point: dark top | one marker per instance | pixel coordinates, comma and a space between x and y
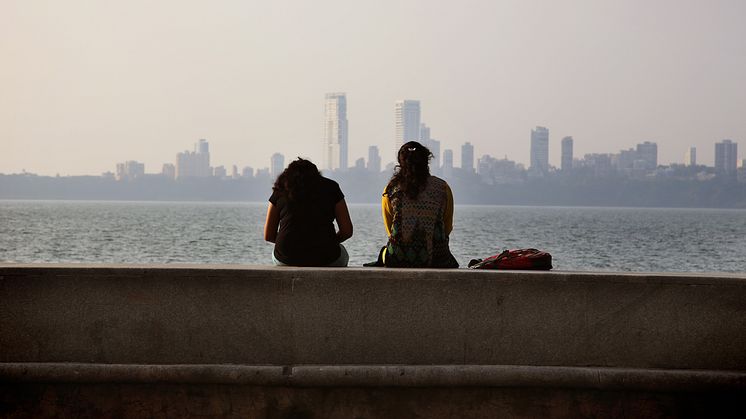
307, 236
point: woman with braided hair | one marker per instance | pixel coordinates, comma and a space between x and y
301, 215
417, 212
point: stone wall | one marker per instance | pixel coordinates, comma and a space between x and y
593, 339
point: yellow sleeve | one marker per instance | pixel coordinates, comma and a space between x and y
386, 212
448, 217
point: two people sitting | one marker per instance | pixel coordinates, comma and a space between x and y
417, 211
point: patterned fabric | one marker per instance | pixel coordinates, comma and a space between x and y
418, 236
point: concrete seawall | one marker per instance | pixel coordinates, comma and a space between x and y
291, 342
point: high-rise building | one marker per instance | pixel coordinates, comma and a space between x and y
647, 152
335, 145
447, 163
467, 157
566, 163
424, 134
690, 157
360, 164
374, 159
726, 158
247, 171
277, 165
540, 150
195, 163
407, 120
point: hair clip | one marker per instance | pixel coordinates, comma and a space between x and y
411, 148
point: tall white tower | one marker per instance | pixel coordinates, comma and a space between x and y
407, 116
540, 150
335, 132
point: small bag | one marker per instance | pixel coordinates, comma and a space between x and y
532, 259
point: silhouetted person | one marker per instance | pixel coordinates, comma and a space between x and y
303, 206
417, 213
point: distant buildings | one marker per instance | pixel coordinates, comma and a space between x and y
407, 122
277, 165
498, 171
690, 157
220, 172
432, 144
374, 159
647, 153
539, 150
168, 171
424, 134
726, 153
447, 163
130, 170
335, 144
467, 157
566, 161
196, 163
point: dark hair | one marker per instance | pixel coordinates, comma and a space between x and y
298, 181
413, 169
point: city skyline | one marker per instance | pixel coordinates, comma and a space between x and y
196, 163
87, 84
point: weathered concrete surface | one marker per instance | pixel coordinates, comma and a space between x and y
115, 400
132, 341
260, 316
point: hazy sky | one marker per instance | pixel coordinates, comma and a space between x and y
87, 84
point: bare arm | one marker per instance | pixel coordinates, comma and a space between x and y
342, 214
273, 221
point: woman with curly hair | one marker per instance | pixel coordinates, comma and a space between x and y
417, 212
301, 215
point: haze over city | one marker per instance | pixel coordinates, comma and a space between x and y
86, 85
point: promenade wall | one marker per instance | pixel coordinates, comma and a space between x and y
180, 341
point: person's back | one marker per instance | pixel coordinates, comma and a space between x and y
417, 211
419, 235
300, 218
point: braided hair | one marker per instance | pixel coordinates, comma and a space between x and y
413, 170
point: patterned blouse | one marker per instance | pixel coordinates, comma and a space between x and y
418, 229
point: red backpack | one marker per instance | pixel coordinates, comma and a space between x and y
515, 259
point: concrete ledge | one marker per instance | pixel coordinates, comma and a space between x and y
141, 314
381, 376
219, 341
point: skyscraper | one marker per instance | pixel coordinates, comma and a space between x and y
277, 165
407, 119
467, 157
566, 163
424, 134
725, 158
690, 158
374, 159
447, 163
195, 163
433, 145
540, 150
335, 132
